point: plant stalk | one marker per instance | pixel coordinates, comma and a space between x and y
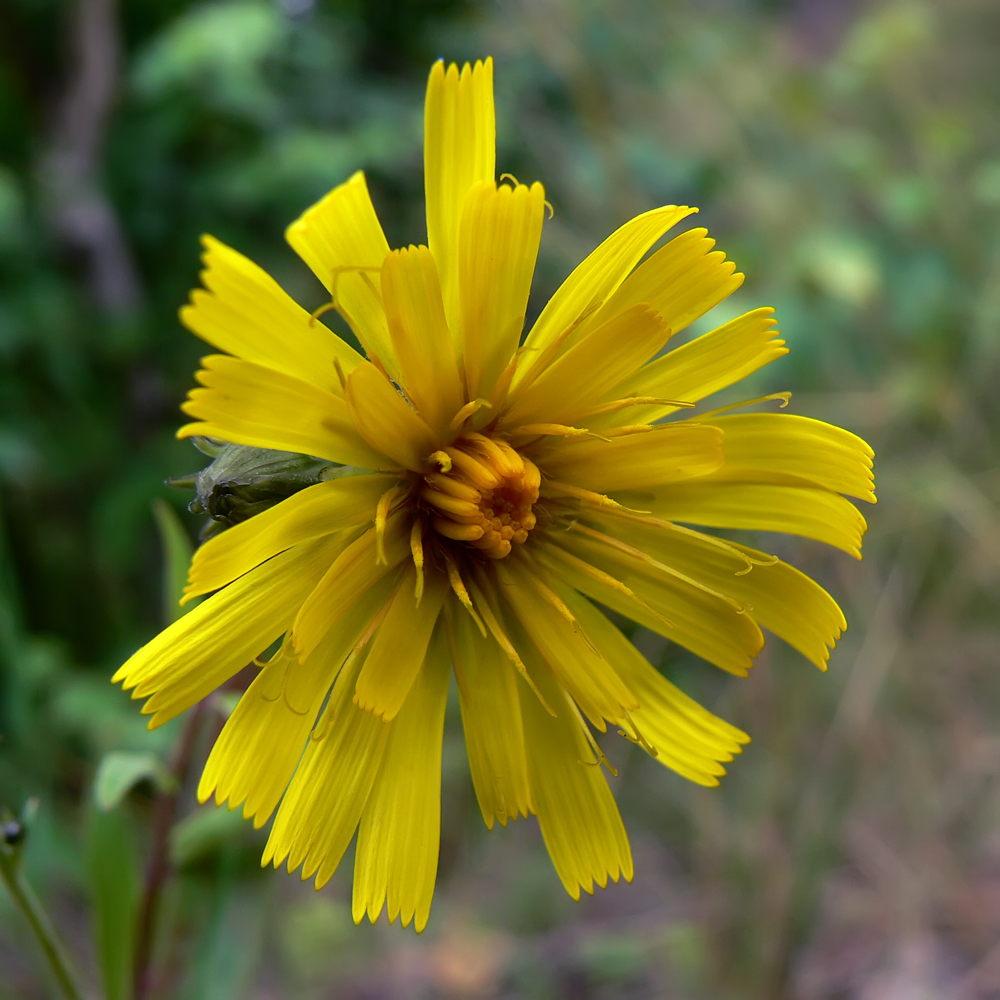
159, 862
31, 909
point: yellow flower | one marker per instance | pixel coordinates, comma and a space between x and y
496, 491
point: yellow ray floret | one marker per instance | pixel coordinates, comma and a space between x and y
681, 281
498, 244
593, 281
313, 826
706, 364
242, 310
590, 371
411, 291
204, 648
491, 716
341, 239
344, 502
577, 813
459, 151
251, 404
397, 853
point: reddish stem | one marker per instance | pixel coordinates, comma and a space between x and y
159, 861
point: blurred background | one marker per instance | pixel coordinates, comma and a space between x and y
846, 153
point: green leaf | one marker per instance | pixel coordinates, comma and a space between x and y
202, 833
114, 882
121, 770
177, 551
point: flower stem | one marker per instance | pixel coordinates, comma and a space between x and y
159, 862
31, 909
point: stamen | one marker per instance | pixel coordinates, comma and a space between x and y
457, 585
507, 646
579, 493
442, 458
626, 429
463, 511
417, 551
624, 404
584, 567
783, 398
635, 553
644, 517
339, 369
473, 469
457, 532
638, 737
456, 487
279, 654
500, 390
381, 517
507, 462
322, 727
597, 751
470, 409
551, 430
316, 313
546, 593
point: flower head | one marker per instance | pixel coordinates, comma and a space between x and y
492, 490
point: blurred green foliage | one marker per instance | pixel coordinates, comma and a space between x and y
846, 155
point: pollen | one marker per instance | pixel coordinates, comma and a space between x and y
486, 496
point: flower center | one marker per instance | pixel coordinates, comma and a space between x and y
483, 494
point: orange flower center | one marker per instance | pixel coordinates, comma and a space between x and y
482, 495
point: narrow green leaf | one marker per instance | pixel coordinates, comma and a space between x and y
177, 551
121, 770
114, 882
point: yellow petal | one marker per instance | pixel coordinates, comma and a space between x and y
459, 151
580, 822
355, 570
246, 403
590, 370
789, 603
594, 280
563, 645
783, 447
498, 245
260, 744
317, 510
218, 638
324, 801
491, 717
705, 365
709, 626
259, 747
387, 421
400, 833
245, 312
686, 737
341, 239
424, 348
669, 453
681, 281
718, 502
397, 653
